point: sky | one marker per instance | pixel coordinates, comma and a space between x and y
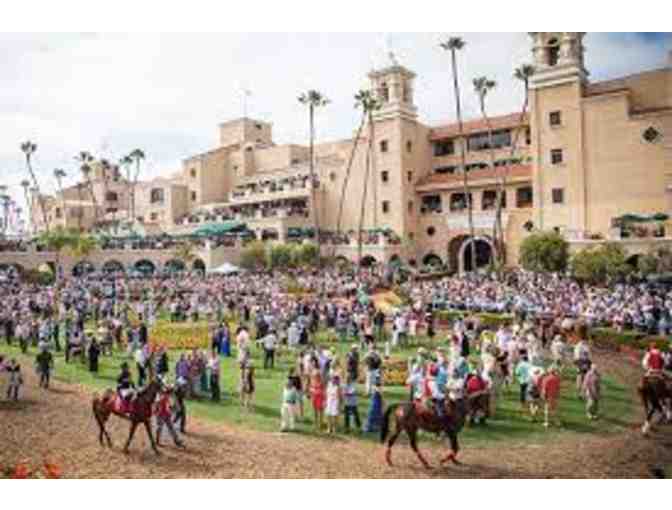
166, 93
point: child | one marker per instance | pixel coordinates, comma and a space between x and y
288, 410
333, 409
15, 380
350, 400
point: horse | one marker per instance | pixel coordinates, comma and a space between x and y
140, 412
411, 417
655, 392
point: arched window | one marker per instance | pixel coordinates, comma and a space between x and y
111, 196
385, 92
553, 52
156, 196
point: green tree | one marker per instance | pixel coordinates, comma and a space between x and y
185, 252
544, 252
280, 256
453, 45
657, 261
81, 246
253, 256
313, 100
601, 265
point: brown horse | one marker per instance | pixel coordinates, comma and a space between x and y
656, 394
141, 410
411, 417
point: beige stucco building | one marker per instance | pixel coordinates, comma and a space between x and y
584, 154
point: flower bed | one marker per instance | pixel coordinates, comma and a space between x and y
180, 336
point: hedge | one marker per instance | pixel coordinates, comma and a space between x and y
608, 338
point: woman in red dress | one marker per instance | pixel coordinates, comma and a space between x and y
317, 396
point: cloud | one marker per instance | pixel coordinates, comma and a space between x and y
166, 93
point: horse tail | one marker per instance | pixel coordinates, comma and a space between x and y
385, 427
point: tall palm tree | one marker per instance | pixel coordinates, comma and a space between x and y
59, 175
86, 160
5, 201
482, 86
25, 184
314, 99
453, 45
126, 162
366, 100
28, 148
137, 156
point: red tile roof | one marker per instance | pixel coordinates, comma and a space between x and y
510, 120
515, 171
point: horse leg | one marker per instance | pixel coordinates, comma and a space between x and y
148, 428
454, 449
546, 414
101, 429
134, 425
412, 436
390, 444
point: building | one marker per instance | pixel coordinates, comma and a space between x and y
583, 155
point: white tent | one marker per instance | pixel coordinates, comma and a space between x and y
226, 268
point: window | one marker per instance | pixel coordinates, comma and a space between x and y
332, 176
431, 204
553, 52
193, 196
411, 236
385, 176
528, 136
385, 92
651, 135
193, 173
558, 195
431, 231
555, 119
383, 146
445, 169
58, 213
444, 148
258, 126
153, 216
458, 202
111, 196
490, 200
156, 196
524, 197
481, 141
386, 206
556, 156
409, 176
410, 207
409, 146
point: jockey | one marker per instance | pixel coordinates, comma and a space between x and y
653, 361
415, 382
125, 386
436, 392
475, 383
455, 386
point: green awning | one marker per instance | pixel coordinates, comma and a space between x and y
300, 232
642, 218
218, 229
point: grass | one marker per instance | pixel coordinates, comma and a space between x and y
510, 425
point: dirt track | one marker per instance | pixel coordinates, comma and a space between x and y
59, 422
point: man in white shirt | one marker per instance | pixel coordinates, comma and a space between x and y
269, 342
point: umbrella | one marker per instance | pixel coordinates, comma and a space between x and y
226, 268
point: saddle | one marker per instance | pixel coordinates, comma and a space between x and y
120, 405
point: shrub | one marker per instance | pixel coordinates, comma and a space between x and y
600, 265
253, 256
544, 252
281, 256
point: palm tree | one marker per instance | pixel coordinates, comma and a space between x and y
126, 162
25, 184
86, 159
314, 99
28, 148
453, 45
369, 104
137, 155
59, 175
482, 86
57, 241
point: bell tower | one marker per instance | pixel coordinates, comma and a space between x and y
558, 58
393, 87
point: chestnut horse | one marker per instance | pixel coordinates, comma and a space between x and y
655, 392
141, 410
411, 417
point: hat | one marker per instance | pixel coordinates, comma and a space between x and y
354, 346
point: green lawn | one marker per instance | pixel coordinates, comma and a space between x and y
509, 425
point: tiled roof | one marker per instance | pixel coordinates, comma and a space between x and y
477, 126
515, 171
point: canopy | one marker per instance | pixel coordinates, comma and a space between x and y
300, 232
226, 268
218, 229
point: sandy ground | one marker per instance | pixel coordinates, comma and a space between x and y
58, 423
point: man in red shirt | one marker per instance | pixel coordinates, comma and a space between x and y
550, 392
653, 361
164, 416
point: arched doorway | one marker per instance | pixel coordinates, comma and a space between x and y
146, 267
112, 266
199, 265
175, 266
432, 259
368, 261
484, 253
83, 268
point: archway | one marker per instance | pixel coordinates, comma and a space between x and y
146, 267
368, 261
113, 266
484, 252
431, 259
199, 265
83, 268
175, 266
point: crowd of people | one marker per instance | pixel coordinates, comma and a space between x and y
86, 318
